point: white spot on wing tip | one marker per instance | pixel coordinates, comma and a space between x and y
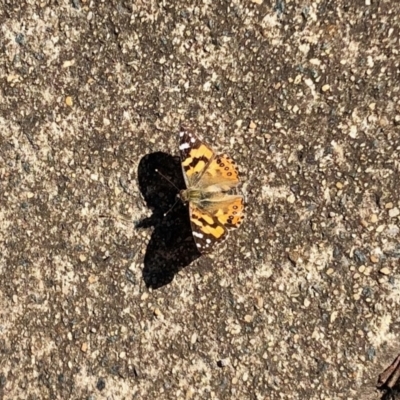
197, 234
184, 146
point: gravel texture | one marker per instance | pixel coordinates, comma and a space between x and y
101, 296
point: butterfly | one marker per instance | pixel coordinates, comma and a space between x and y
208, 177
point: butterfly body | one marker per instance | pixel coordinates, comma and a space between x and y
208, 177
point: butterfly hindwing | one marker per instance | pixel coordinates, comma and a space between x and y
206, 229
228, 209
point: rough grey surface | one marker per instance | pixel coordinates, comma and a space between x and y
301, 302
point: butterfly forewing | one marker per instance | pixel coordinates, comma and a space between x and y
195, 157
222, 172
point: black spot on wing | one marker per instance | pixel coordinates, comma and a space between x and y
195, 161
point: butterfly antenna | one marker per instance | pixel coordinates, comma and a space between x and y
168, 180
172, 184
171, 208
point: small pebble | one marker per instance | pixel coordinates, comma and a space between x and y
193, 339
339, 185
252, 125
353, 132
144, 296
223, 362
383, 122
380, 228
68, 101
260, 302
68, 63
374, 218
82, 258
389, 205
84, 347
239, 123
367, 271
325, 88
294, 256
314, 61
360, 256
157, 312
297, 80
394, 212
385, 271
291, 199
248, 318
374, 259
